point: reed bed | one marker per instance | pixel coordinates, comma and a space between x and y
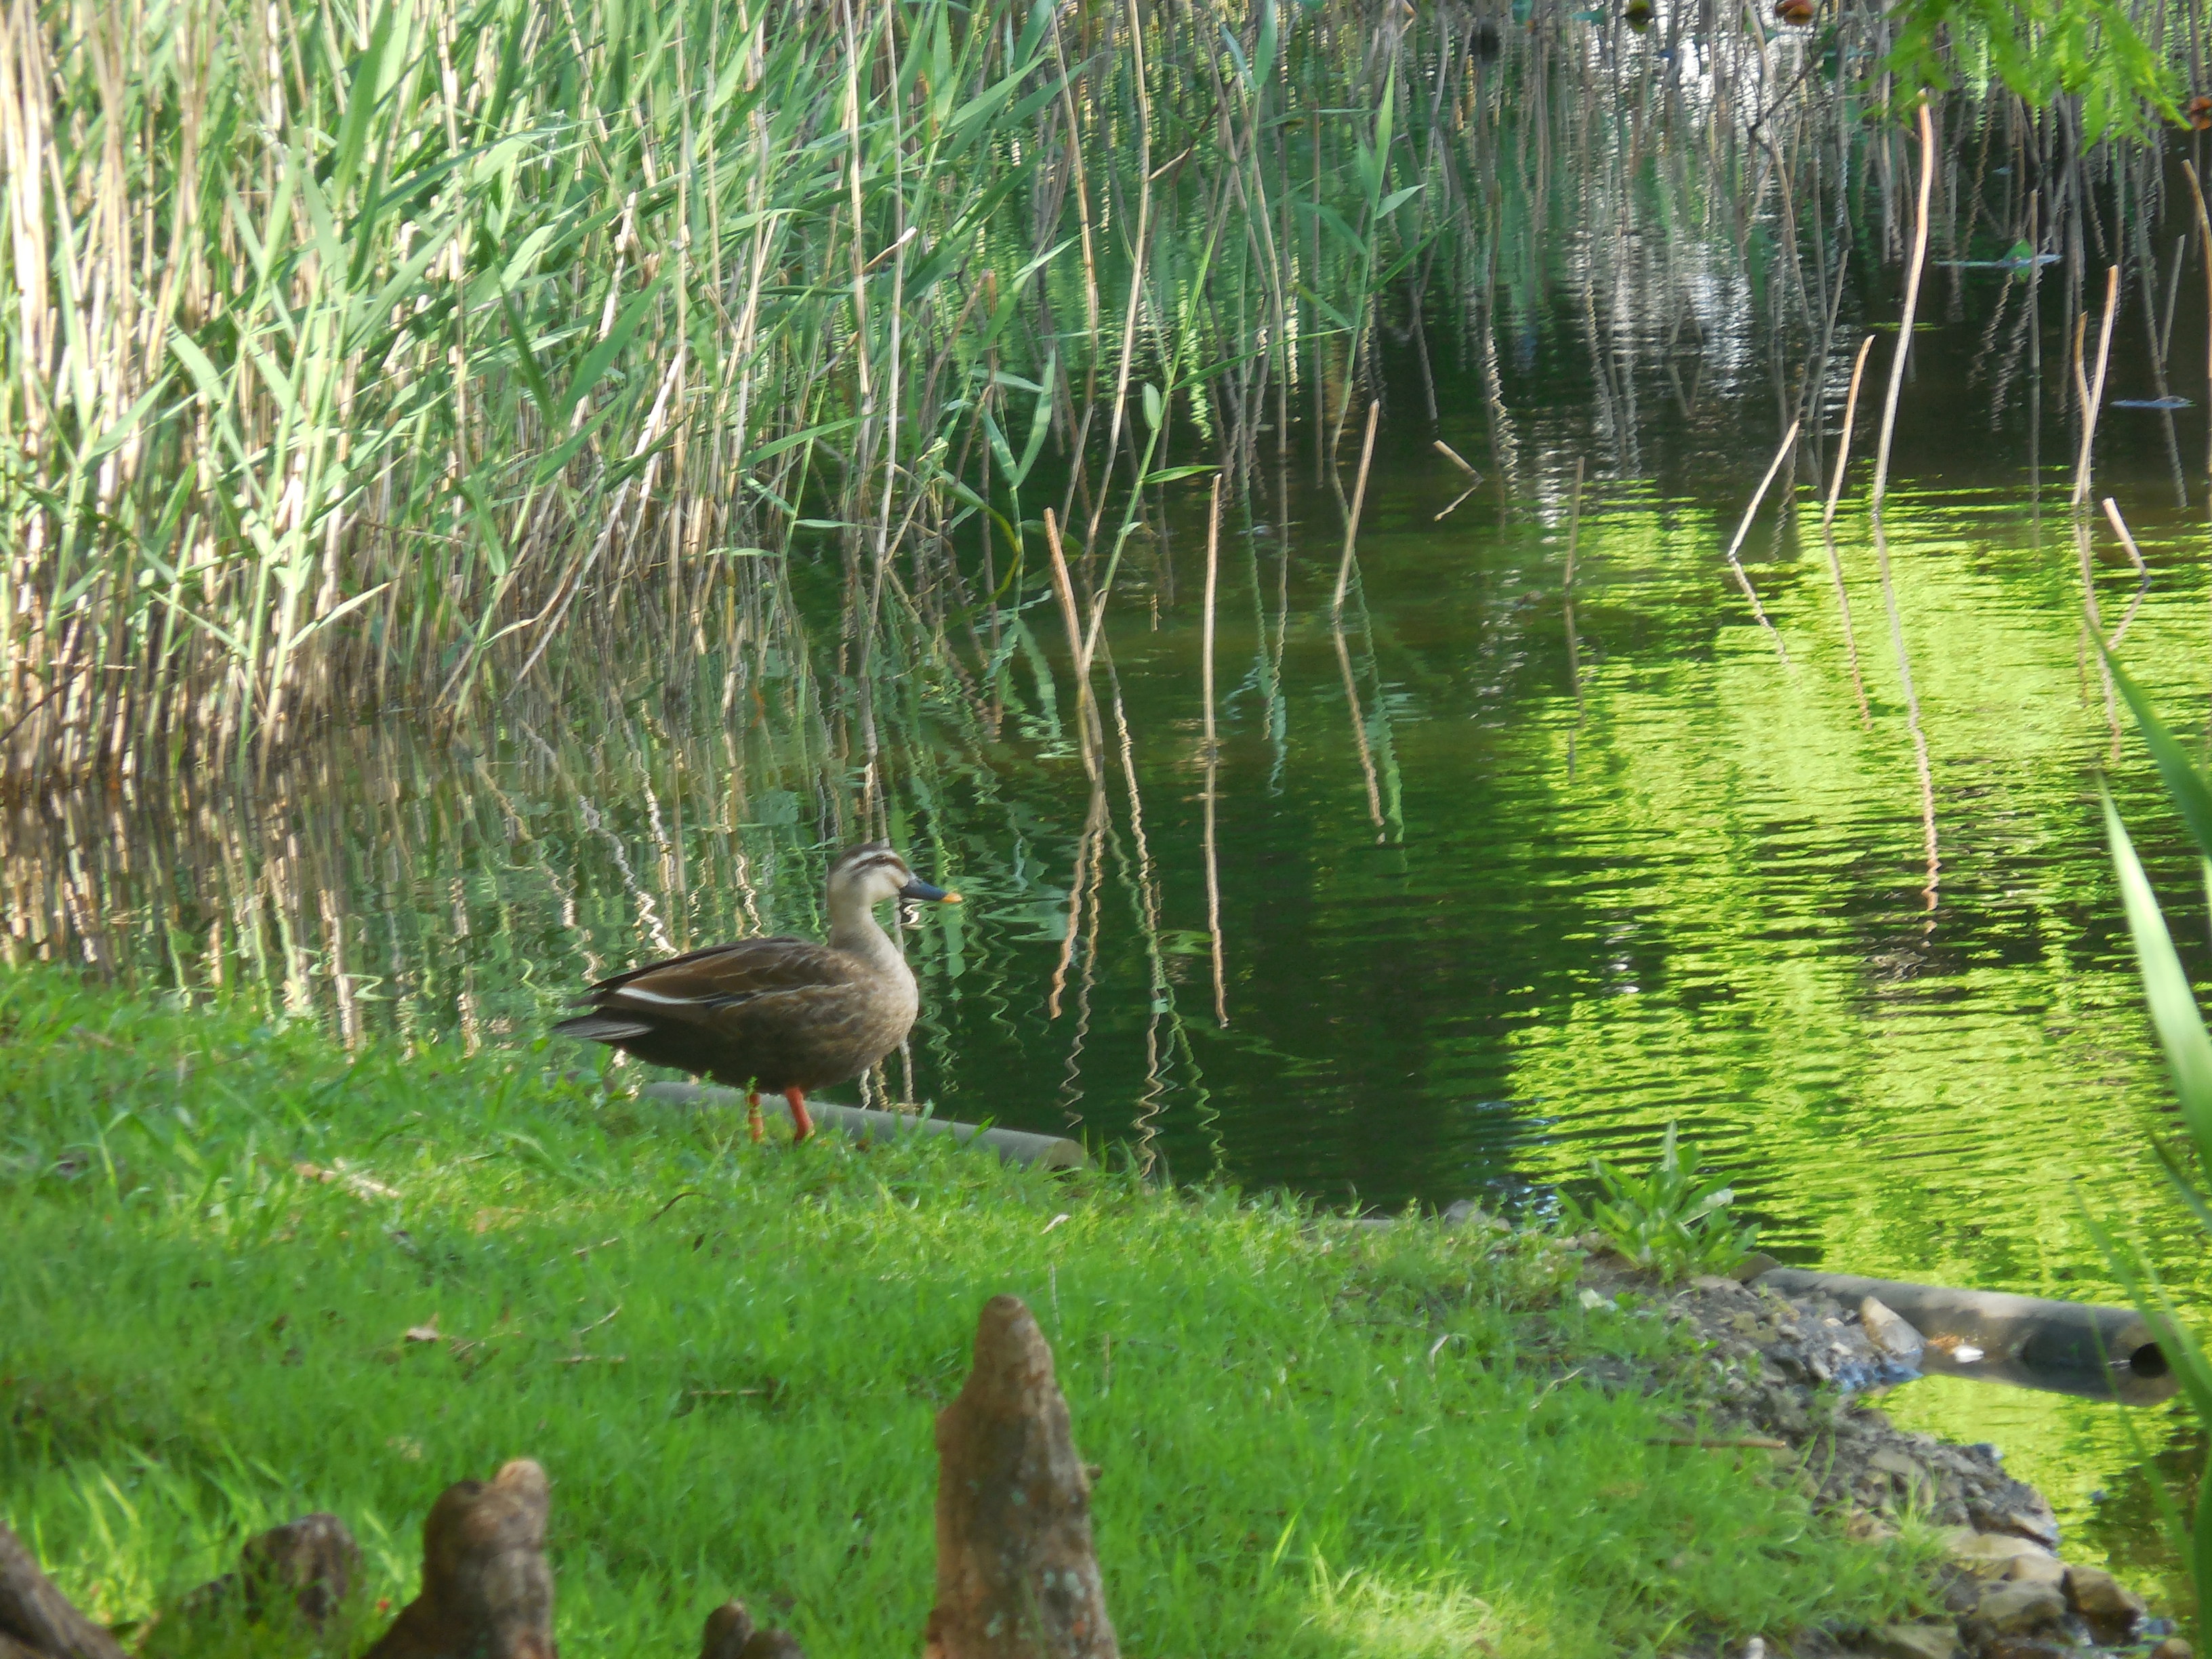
397, 355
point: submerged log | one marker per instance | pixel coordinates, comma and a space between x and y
38, 1619
863, 1124
1017, 1576
487, 1591
2060, 1347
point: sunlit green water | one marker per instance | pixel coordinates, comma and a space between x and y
1509, 876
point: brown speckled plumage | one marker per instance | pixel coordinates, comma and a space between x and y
780, 1013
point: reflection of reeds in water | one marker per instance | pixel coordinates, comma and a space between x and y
1212, 757
1567, 616
1828, 533
1758, 497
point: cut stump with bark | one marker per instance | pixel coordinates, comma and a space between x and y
731, 1634
298, 1575
487, 1591
310, 1565
1017, 1576
36, 1617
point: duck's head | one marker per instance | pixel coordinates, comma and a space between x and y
865, 875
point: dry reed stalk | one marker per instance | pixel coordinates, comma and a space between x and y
1359, 731
2093, 620
1352, 521
2094, 394
1087, 732
1473, 477
1212, 757
1844, 442
1743, 529
1912, 308
2135, 557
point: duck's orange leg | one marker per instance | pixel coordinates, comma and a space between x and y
802, 1124
753, 1116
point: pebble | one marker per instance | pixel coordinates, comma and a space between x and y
1891, 1332
2172, 1648
2014, 1609
2036, 1569
2025, 1647
1915, 1642
1989, 1553
1890, 1460
2112, 1609
2097, 1594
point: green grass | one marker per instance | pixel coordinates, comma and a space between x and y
1315, 1440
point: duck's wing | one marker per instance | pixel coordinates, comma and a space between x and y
724, 977
689, 959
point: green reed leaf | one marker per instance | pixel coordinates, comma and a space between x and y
2173, 1010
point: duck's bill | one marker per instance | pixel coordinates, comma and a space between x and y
918, 889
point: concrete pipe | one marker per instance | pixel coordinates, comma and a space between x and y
2061, 1347
858, 1123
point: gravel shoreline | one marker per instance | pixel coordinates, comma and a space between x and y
1794, 1374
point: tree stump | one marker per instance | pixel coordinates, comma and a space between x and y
311, 1563
730, 1634
1016, 1577
298, 1575
36, 1617
487, 1591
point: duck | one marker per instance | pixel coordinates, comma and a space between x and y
782, 1013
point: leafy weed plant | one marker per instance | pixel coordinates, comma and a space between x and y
1672, 1220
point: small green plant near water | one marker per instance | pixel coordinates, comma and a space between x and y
1672, 1220
248, 1274
2188, 1047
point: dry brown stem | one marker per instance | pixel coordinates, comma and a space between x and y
1016, 1577
487, 1591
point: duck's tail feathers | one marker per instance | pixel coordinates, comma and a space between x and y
602, 1028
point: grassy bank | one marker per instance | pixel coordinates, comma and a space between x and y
1313, 1441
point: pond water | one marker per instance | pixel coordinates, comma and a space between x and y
1511, 874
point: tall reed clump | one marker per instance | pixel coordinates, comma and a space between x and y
381, 351
369, 349
2188, 1046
